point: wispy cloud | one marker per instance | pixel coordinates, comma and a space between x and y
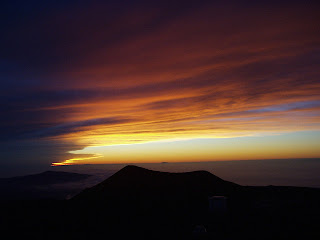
74, 127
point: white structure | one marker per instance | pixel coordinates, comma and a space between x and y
218, 204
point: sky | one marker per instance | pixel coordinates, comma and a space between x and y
86, 82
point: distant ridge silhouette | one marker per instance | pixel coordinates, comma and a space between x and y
47, 177
38, 186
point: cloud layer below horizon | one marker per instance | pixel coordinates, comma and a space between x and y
109, 73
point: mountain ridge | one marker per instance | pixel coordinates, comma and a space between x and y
134, 180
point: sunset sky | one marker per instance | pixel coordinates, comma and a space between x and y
151, 81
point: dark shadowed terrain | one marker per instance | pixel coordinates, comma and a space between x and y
136, 203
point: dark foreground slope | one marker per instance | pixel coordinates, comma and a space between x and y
137, 203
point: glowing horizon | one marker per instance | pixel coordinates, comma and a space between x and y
285, 146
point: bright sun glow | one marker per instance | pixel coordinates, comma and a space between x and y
286, 145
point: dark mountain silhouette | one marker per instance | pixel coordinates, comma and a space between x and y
38, 186
143, 204
172, 204
152, 199
137, 181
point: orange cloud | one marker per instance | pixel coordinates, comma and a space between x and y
169, 72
